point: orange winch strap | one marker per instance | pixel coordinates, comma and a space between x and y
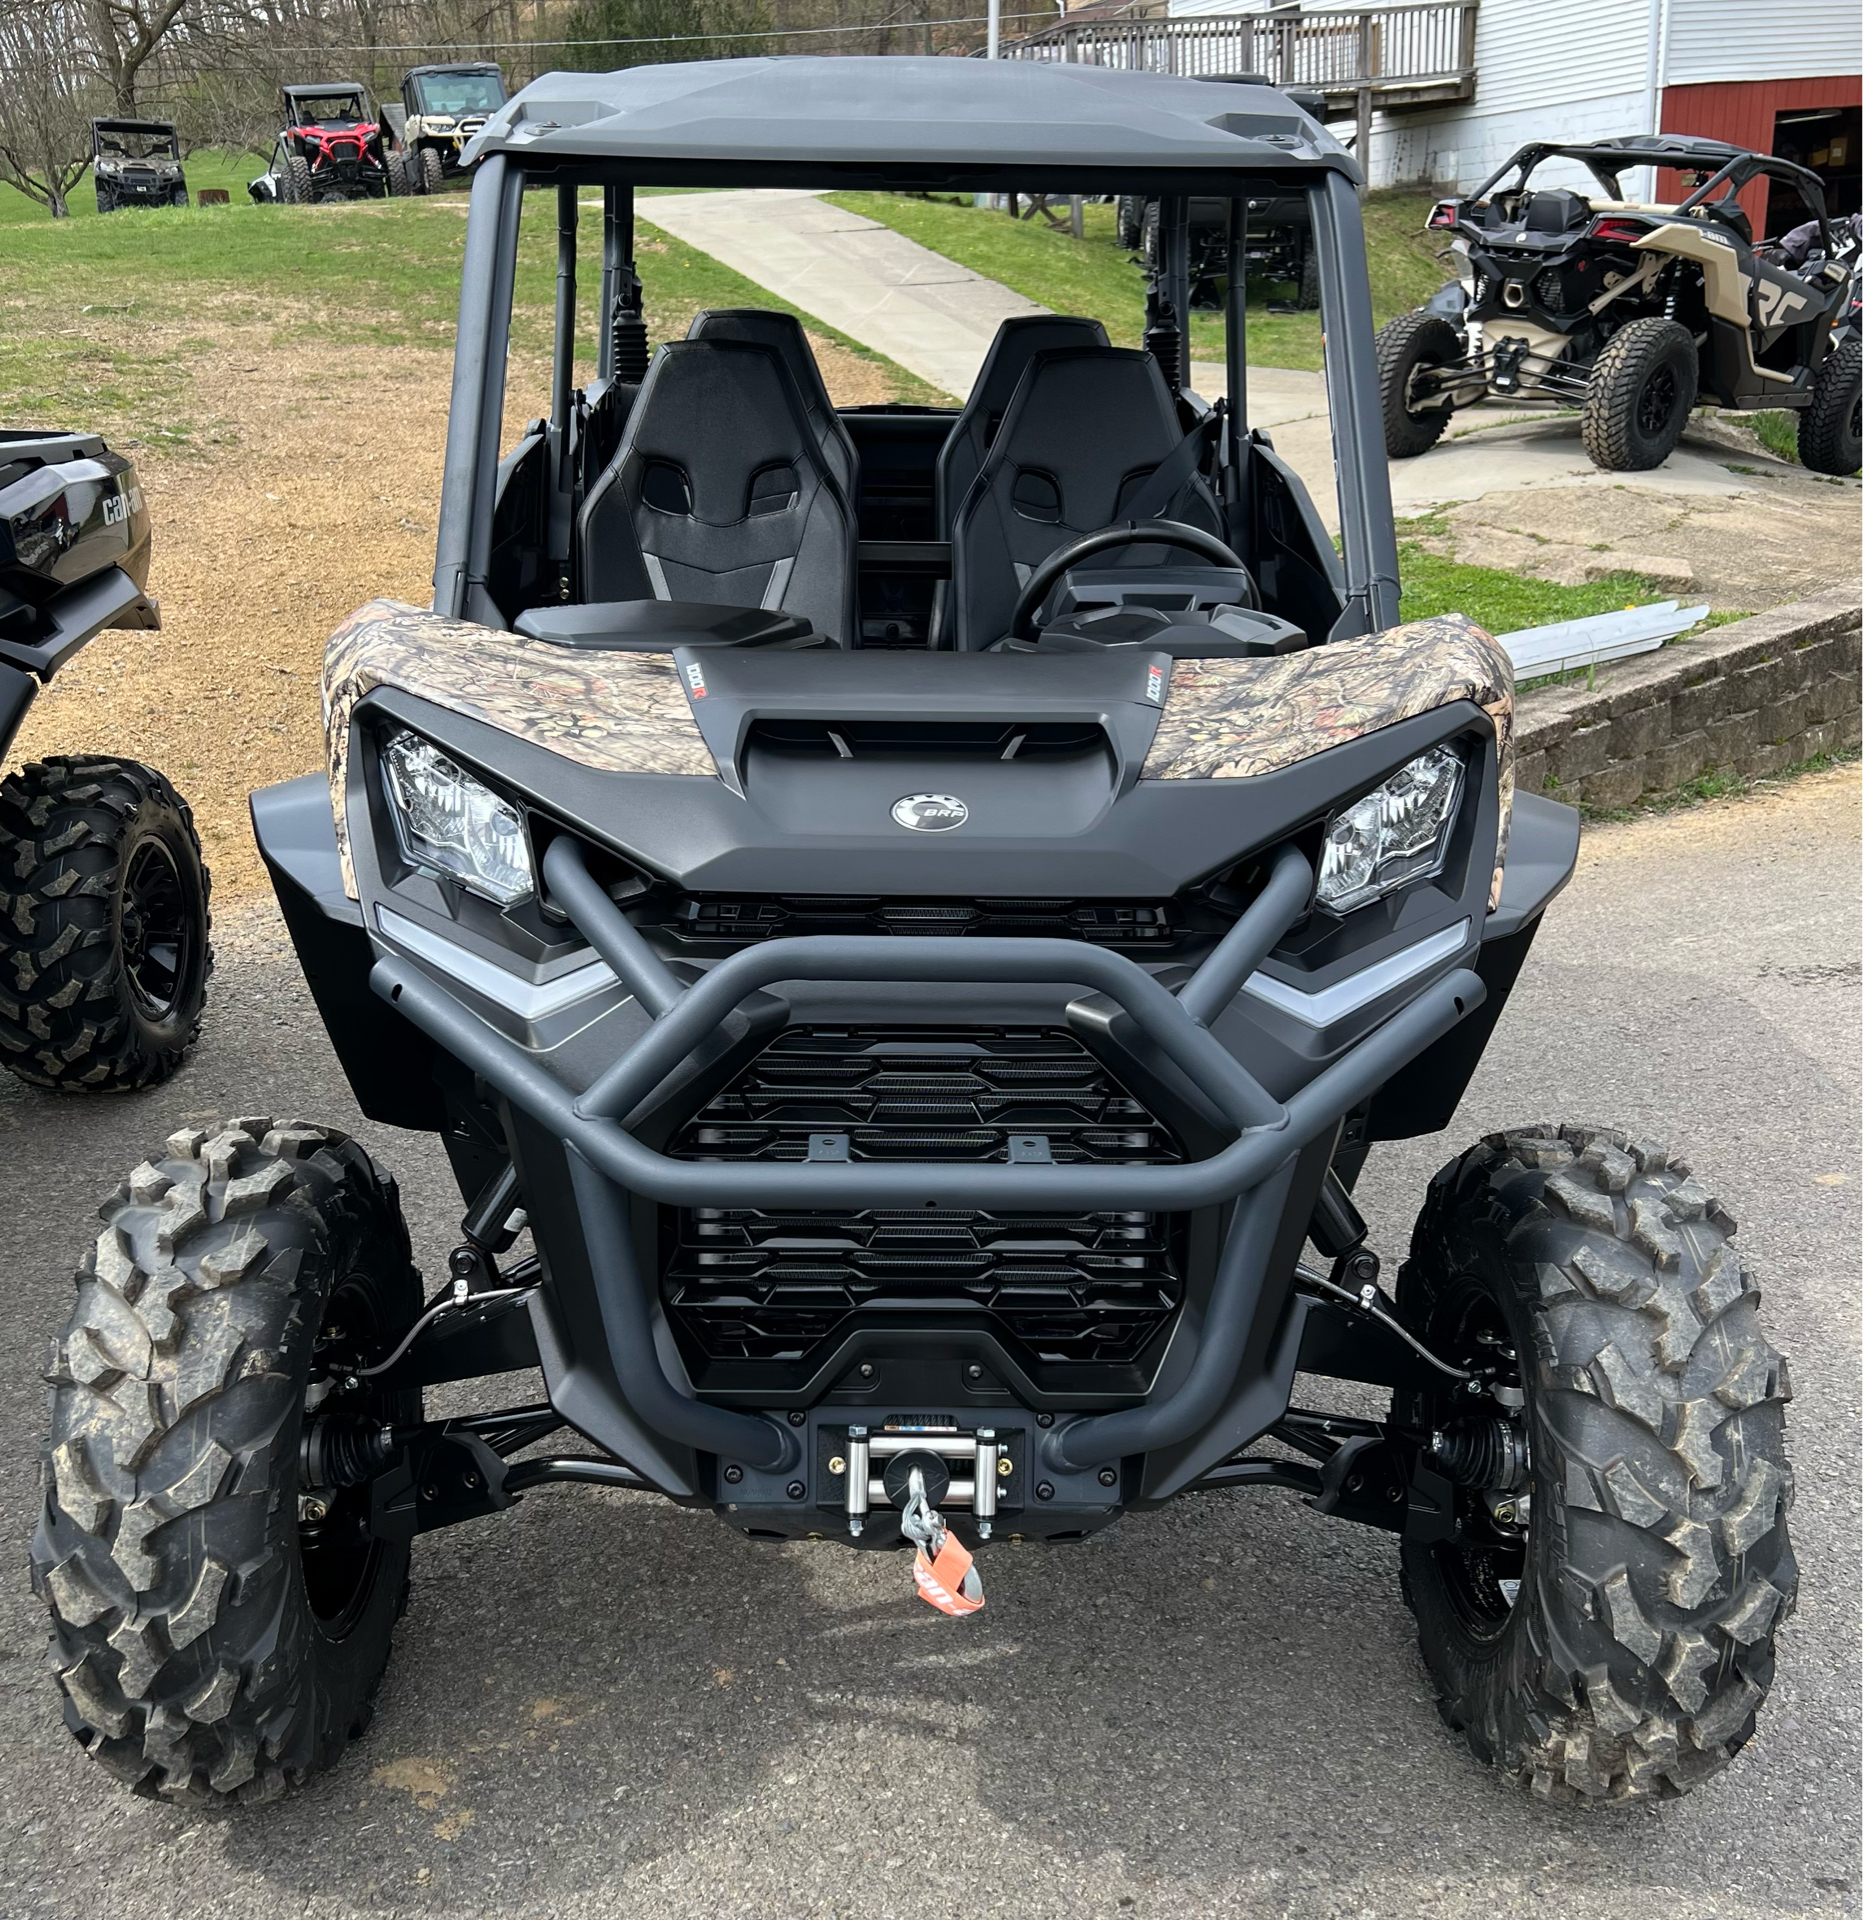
948, 1583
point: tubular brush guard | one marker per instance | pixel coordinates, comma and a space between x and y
607, 1161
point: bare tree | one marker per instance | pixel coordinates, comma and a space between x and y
124, 35
45, 104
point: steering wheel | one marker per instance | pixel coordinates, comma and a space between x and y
1129, 533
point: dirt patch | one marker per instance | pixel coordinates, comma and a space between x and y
852, 381
1786, 536
311, 487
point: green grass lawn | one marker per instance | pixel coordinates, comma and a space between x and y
97, 313
1095, 275
1777, 431
1504, 602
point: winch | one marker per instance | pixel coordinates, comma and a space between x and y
954, 1469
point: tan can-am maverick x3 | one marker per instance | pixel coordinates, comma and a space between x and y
1631, 311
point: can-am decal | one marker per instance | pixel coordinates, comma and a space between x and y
930, 812
118, 507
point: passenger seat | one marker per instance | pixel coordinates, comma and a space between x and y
782, 334
719, 493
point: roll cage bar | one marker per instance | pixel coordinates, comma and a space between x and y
469, 490
1606, 161
148, 129
335, 90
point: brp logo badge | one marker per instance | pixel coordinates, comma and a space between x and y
930, 812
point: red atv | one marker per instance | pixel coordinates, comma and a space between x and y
330, 149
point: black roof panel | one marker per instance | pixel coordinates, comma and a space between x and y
906, 113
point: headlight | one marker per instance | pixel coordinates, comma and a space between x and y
446, 820
1398, 834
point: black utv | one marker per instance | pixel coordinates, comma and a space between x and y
1632, 311
908, 924
104, 952
137, 163
1279, 242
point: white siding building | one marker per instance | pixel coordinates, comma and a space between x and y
1777, 75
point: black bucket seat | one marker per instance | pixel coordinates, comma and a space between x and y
719, 493
1018, 340
1085, 432
782, 334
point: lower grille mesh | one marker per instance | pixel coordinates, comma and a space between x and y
1095, 1287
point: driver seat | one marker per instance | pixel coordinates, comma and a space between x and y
1018, 340
1085, 431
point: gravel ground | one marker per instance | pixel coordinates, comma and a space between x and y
600, 1705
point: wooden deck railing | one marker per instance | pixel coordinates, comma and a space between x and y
1401, 56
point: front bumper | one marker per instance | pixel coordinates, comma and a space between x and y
592, 1061
761, 1460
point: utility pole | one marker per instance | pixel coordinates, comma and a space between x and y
996, 29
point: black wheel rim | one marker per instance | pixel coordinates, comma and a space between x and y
1656, 403
1481, 1571
338, 1557
156, 929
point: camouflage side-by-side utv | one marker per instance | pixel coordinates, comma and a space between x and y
104, 952
137, 163
921, 915
1631, 311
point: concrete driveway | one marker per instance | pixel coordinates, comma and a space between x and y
600, 1705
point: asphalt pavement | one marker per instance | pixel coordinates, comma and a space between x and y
600, 1705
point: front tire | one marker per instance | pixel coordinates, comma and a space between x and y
1406, 347
294, 181
104, 951
1616, 1640
213, 1635
432, 170
1830, 430
1640, 394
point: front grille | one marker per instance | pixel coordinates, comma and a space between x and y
704, 921
746, 1284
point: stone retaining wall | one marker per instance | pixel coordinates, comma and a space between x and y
1749, 698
